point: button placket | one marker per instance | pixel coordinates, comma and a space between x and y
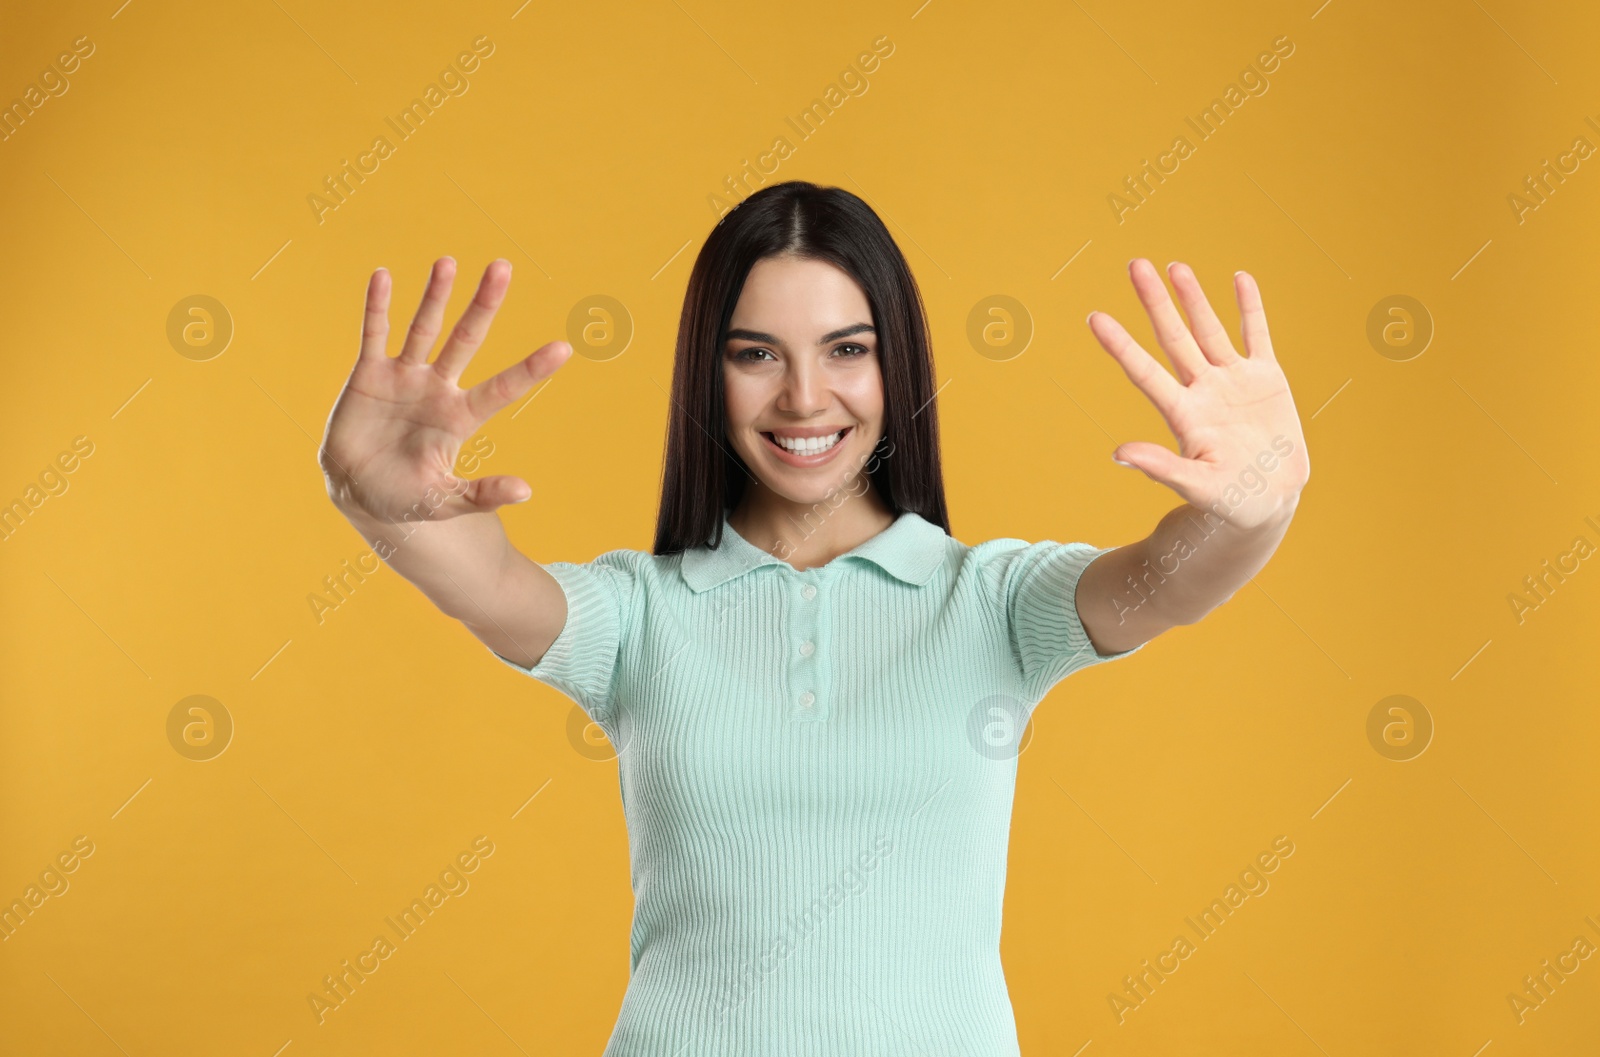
808, 700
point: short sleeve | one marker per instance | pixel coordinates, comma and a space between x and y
1038, 584
582, 661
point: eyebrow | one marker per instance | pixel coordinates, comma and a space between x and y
834, 335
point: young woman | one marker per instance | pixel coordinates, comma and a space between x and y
816, 691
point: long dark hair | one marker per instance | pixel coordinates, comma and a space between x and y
702, 478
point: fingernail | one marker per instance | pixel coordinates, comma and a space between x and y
1089, 317
1119, 462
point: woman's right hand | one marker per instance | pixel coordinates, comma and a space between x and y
391, 442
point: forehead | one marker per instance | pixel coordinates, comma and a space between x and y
799, 296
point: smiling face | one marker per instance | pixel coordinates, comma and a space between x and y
802, 380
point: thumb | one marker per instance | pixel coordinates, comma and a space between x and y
487, 493
1159, 464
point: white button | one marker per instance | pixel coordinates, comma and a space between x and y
807, 648
809, 591
807, 699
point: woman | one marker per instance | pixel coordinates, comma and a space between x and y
816, 691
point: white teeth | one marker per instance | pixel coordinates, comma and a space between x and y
808, 445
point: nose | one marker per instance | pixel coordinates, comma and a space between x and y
805, 390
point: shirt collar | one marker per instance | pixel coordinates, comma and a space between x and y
910, 550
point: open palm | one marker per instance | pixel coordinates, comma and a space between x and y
392, 438
1233, 416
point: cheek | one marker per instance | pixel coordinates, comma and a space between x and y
742, 399
733, 396
863, 394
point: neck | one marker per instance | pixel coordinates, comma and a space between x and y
807, 535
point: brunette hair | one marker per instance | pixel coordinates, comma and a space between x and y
702, 479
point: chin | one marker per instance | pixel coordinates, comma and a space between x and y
833, 494
845, 476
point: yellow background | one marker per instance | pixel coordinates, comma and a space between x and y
370, 748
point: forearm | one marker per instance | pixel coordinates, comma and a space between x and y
457, 562
1194, 561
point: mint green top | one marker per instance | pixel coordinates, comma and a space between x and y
817, 772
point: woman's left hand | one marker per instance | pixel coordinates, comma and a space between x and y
1241, 451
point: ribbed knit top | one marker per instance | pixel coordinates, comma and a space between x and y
817, 770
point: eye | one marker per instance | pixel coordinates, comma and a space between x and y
744, 354
864, 351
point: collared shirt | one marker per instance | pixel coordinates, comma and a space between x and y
817, 770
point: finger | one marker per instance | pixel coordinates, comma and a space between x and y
463, 496
486, 493
1184, 476
490, 395
473, 326
375, 325
1208, 330
430, 313
1142, 368
1253, 318
1185, 356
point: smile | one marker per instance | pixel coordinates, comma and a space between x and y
806, 451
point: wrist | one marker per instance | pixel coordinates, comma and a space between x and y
362, 520
1253, 520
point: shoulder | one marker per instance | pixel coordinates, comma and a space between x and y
1006, 564
621, 560
978, 570
1007, 550
991, 559
625, 574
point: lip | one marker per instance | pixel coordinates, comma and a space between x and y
806, 461
806, 431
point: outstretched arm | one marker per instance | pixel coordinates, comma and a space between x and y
388, 456
1240, 466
